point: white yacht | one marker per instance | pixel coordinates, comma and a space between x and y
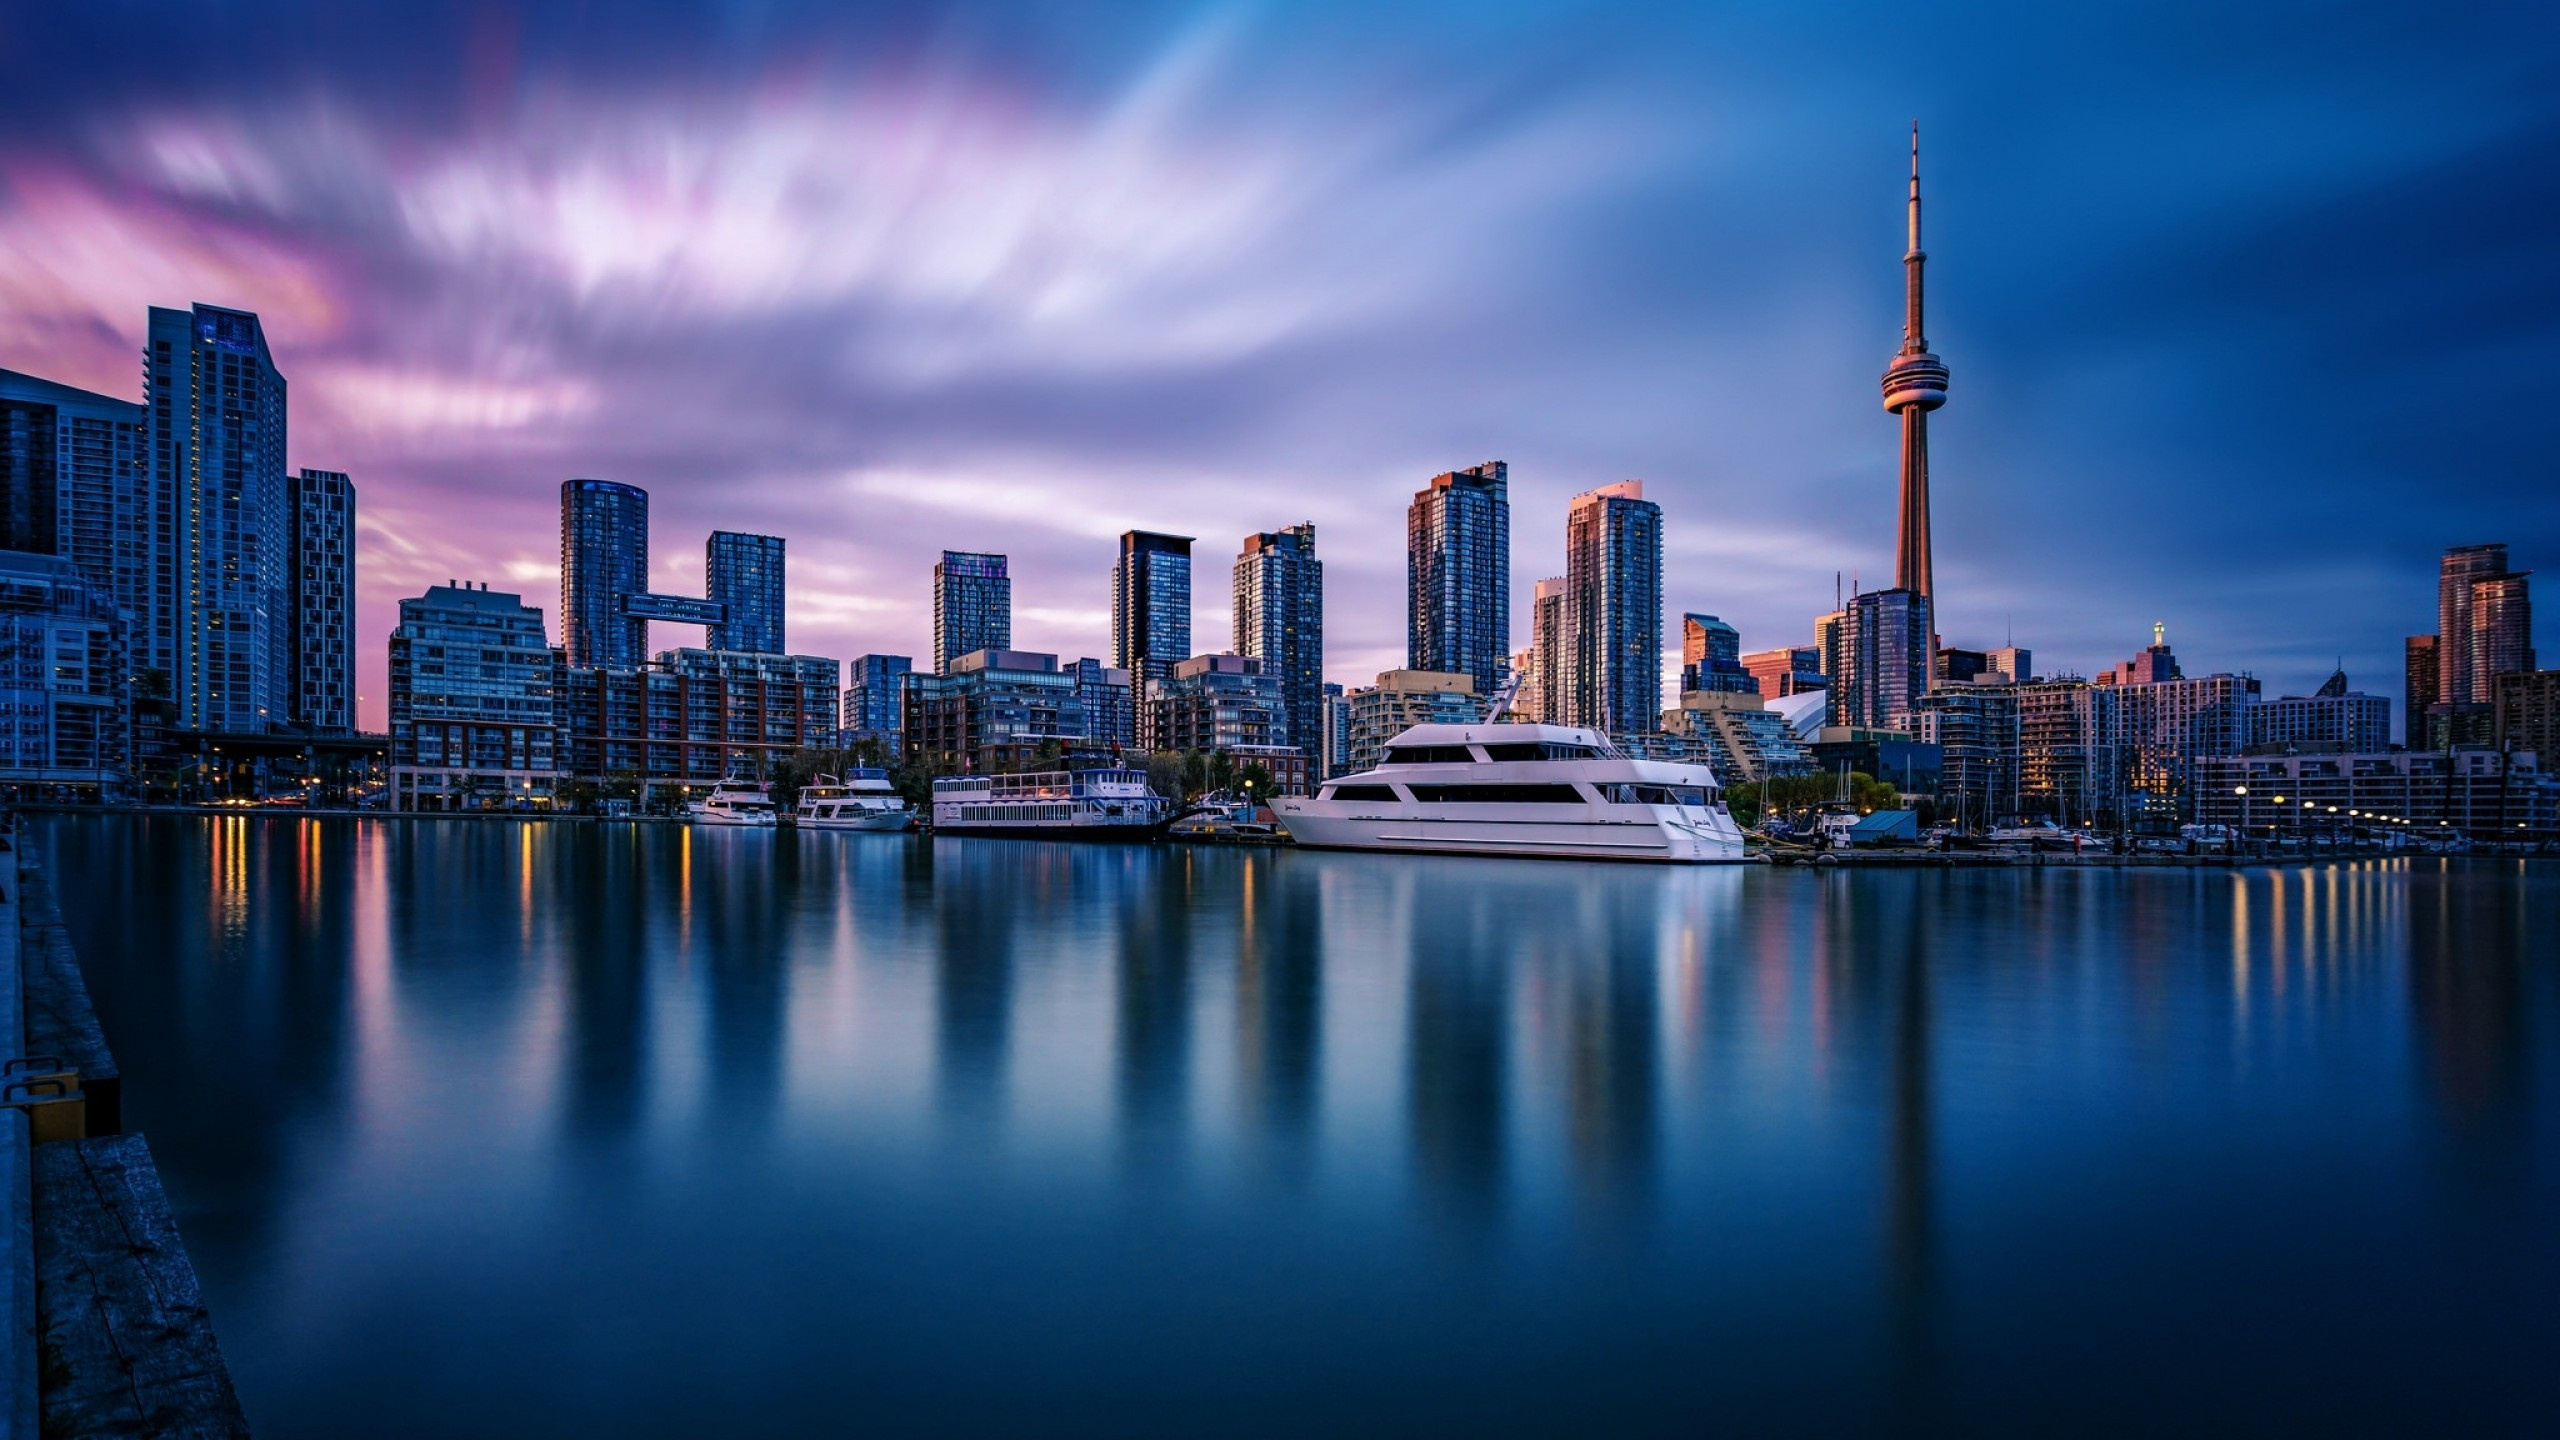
1099, 804
862, 800
1533, 790
732, 802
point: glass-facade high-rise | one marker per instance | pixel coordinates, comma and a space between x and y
1613, 611
743, 575
1279, 620
604, 560
76, 482
1877, 654
324, 602
1711, 658
62, 678
874, 695
217, 453
474, 704
1150, 614
1458, 575
972, 606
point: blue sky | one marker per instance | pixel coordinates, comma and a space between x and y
2247, 307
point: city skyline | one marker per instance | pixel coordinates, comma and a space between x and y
363, 216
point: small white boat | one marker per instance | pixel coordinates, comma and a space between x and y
862, 800
733, 802
1529, 790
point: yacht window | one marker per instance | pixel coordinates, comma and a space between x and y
1430, 755
1690, 795
1497, 794
1540, 751
1361, 792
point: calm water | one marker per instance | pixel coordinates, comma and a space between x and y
478, 1128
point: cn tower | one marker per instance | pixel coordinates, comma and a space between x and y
1914, 384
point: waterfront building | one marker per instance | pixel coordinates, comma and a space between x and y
992, 711
1613, 610
2527, 707
694, 717
742, 574
1915, 383
2478, 794
874, 699
1745, 740
76, 482
1543, 690
1975, 727
1335, 758
2458, 681
1401, 700
324, 602
1218, 702
1878, 660
1291, 771
972, 606
1458, 575
62, 682
2420, 676
1789, 670
475, 714
1279, 620
604, 561
217, 452
1109, 696
1958, 667
2457, 727
1150, 615
2070, 760
2164, 726
2336, 719
1711, 657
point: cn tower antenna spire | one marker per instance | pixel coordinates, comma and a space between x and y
1915, 383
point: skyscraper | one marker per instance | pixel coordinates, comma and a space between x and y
2420, 677
604, 560
324, 602
1879, 659
1458, 575
1279, 620
1711, 657
75, 481
217, 453
972, 606
874, 698
1914, 384
1613, 610
2501, 631
1545, 702
2456, 682
743, 574
1150, 615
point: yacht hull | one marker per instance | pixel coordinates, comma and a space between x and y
1322, 825
884, 821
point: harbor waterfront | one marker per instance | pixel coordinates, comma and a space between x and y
506, 1128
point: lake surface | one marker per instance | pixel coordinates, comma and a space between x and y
513, 1129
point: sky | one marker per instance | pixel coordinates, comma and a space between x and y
2249, 308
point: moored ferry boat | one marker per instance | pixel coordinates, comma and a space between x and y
1546, 791
862, 800
1099, 804
732, 802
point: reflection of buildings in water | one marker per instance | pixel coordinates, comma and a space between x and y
1279, 995
746, 889
1463, 926
600, 886
975, 899
1612, 1027
2469, 933
1154, 1005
